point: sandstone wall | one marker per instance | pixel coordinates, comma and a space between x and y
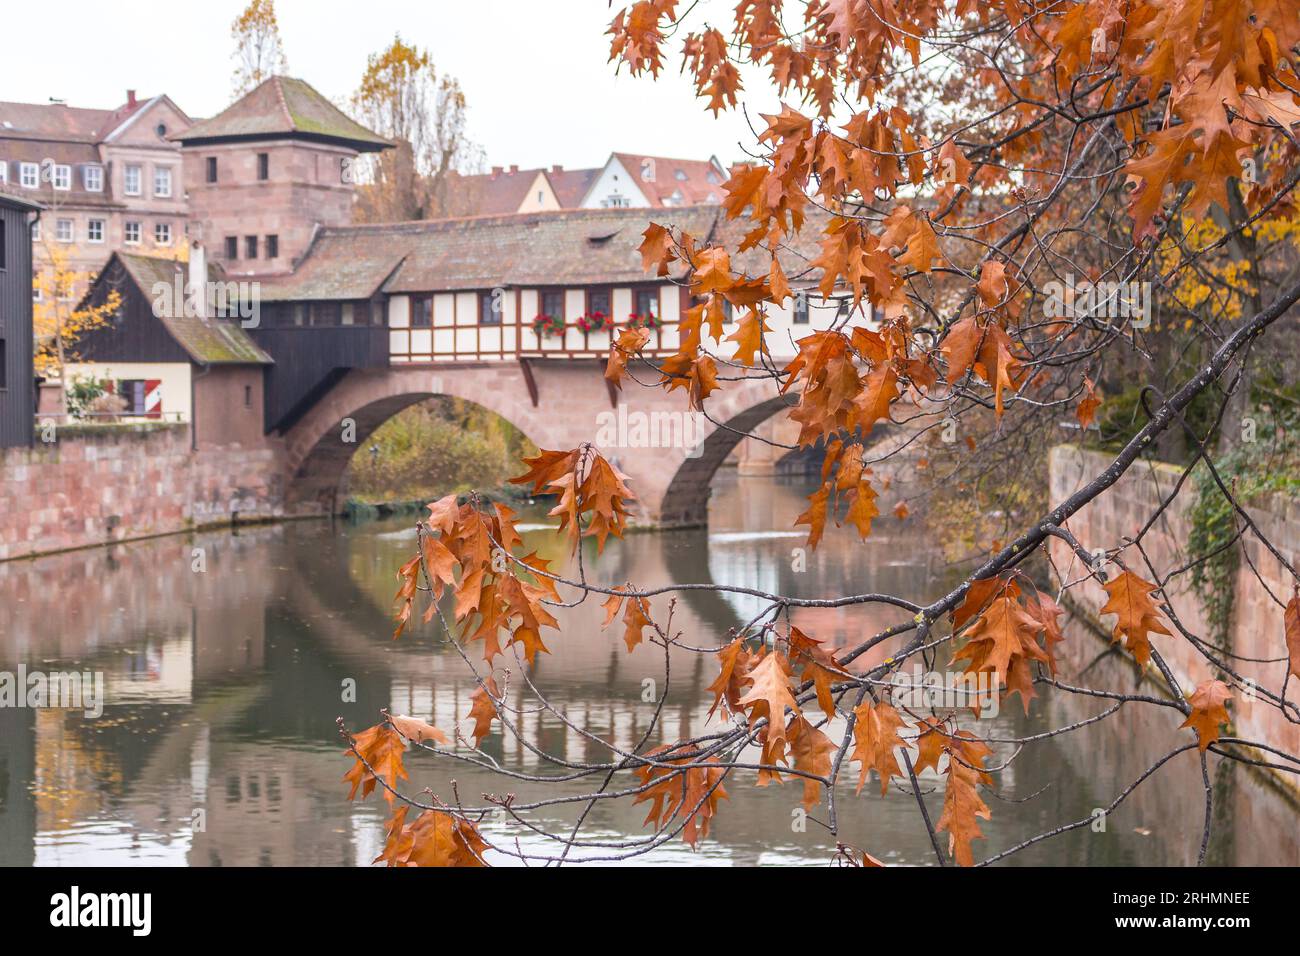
1256, 630
97, 484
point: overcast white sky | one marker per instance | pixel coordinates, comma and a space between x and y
534, 71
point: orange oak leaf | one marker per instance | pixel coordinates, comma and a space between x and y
1086, 413
686, 791
381, 747
482, 710
1291, 625
1208, 711
417, 731
734, 662
636, 619
435, 838
1136, 615
812, 751
875, 736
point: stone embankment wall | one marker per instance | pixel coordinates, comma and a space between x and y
98, 484
1256, 630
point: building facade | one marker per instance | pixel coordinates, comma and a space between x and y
625, 181
107, 180
266, 172
17, 388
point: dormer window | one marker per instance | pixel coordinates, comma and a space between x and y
680, 176
92, 177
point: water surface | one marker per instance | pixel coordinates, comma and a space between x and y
218, 745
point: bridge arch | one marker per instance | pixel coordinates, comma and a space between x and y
319, 446
557, 404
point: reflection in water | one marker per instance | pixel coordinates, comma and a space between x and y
218, 744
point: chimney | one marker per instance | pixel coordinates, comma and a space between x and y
496, 171
557, 169
196, 289
513, 170
130, 98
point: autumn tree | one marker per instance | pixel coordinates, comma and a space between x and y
259, 51
403, 98
1005, 196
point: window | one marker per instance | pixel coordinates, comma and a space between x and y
161, 130
598, 301
212, 169
3, 232
143, 396
162, 233
326, 314
263, 166
131, 180
63, 230
162, 182
29, 175
62, 177
248, 396
347, 315
553, 303
93, 178
728, 311
131, 233
36, 231
250, 247
489, 308
800, 309
36, 291
272, 247
232, 247
4, 365
421, 311
647, 302
95, 230
680, 175
4, 171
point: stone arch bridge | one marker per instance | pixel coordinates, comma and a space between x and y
669, 455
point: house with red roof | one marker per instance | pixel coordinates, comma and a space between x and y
107, 179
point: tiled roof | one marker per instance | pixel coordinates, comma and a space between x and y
497, 193
284, 106
209, 341
571, 185
342, 264
688, 177
572, 247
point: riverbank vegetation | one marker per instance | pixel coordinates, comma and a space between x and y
440, 446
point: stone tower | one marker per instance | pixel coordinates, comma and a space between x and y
261, 175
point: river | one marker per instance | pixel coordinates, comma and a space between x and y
227, 658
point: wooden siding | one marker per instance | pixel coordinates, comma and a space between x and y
309, 361
18, 397
134, 334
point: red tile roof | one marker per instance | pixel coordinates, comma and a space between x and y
497, 193
57, 122
571, 185
696, 180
